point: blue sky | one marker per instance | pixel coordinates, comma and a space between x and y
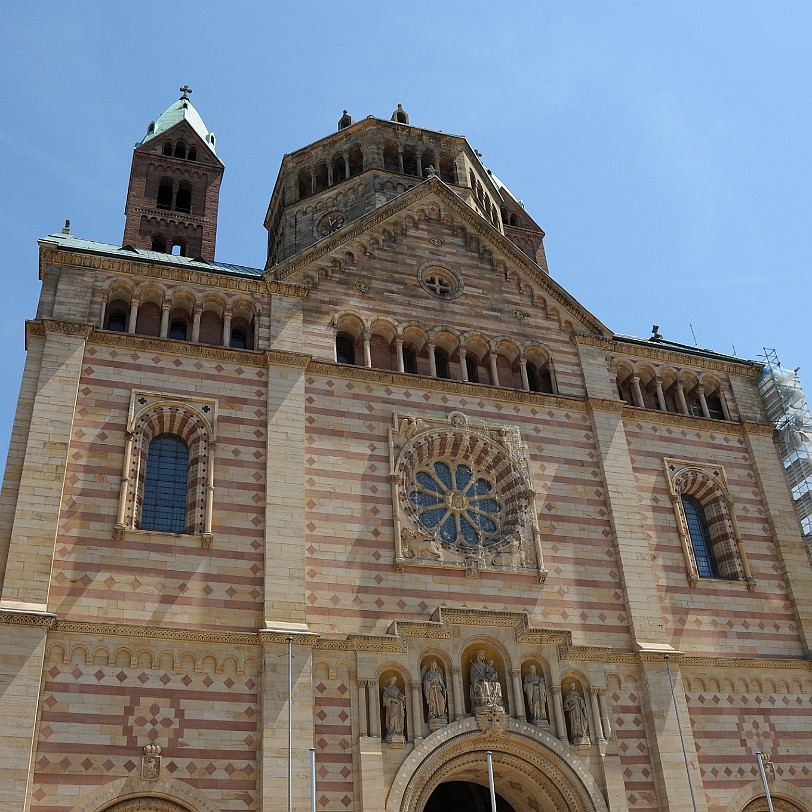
664, 147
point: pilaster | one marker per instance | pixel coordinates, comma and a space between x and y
33, 533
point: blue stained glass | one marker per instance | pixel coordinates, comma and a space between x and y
448, 532
469, 532
165, 485
479, 487
463, 476
488, 525
427, 481
488, 505
431, 517
443, 473
424, 499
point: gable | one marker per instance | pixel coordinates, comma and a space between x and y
183, 130
430, 223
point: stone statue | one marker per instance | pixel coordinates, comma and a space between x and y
434, 691
535, 690
395, 704
575, 708
494, 686
480, 690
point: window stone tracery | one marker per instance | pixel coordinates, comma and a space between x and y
462, 496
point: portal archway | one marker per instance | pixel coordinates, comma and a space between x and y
533, 771
464, 796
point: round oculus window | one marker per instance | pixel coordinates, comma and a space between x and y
439, 281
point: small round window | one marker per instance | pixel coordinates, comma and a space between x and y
439, 281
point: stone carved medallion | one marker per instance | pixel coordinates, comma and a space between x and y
462, 496
151, 763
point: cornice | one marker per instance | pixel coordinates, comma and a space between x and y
22, 617
328, 369
263, 358
747, 662
604, 405
667, 356
685, 421
474, 222
172, 273
155, 633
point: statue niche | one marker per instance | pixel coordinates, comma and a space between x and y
576, 714
435, 694
393, 704
534, 688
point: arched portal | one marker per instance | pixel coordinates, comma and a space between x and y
145, 804
464, 796
533, 771
779, 805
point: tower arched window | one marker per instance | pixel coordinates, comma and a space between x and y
427, 159
167, 148
390, 157
183, 200
180, 149
165, 194
321, 177
447, 172
339, 169
356, 161
179, 247
304, 183
159, 243
695, 519
409, 162
166, 485
345, 349
192, 156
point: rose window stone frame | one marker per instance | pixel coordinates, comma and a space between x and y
462, 496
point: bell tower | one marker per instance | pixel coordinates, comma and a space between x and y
174, 186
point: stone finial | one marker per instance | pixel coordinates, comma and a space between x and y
656, 335
66, 229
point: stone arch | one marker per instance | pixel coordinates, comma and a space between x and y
528, 764
133, 794
785, 797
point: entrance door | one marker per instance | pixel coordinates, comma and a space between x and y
464, 796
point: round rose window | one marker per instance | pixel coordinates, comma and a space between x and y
462, 489
456, 503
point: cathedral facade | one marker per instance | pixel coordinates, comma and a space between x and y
396, 502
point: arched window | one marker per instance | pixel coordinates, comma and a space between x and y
700, 537
239, 338
339, 169
165, 194
441, 363
159, 243
447, 172
345, 349
168, 458
304, 183
409, 359
709, 533
117, 321
165, 485
539, 378
356, 161
177, 330
192, 156
427, 159
183, 200
514, 220
321, 177
472, 367
390, 157
167, 148
179, 247
409, 161
180, 149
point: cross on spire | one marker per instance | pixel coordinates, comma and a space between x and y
186, 90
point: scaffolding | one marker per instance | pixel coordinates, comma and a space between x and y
788, 410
